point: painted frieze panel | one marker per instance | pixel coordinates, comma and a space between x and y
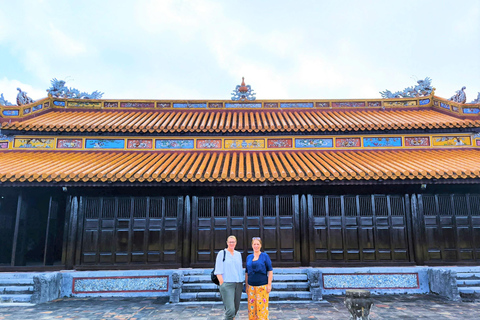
120, 284
3, 144
164, 105
69, 143
279, 143
36, 108
399, 103
382, 142
26, 111
244, 143
139, 143
270, 105
190, 105
209, 144
84, 104
141, 105
47, 104
174, 144
417, 141
110, 104
243, 105
348, 104
451, 141
104, 143
374, 103
296, 105
478, 143
313, 142
371, 281
215, 105
59, 103
48, 143
322, 105
445, 106
11, 113
347, 142
471, 110
424, 101
454, 108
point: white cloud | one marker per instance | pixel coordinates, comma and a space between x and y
9, 90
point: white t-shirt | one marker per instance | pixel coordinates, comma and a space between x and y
231, 269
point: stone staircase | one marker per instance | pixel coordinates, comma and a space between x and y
16, 287
288, 285
468, 283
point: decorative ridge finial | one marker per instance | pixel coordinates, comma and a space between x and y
459, 96
422, 89
243, 92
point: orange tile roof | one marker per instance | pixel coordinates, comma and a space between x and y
238, 121
42, 166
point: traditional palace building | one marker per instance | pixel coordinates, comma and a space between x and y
95, 183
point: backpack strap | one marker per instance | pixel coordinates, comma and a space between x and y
224, 255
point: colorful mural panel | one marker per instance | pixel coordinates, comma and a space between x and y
10, 113
314, 142
139, 143
399, 103
382, 142
36, 108
146, 105
279, 143
417, 141
454, 108
244, 144
296, 105
48, 143
270, 105
444, 106
84, 104
348, 104
47, 104
209, 144
374, 103
69, 143
323, 105
174, 144
347, 142
190, 105
451, 141
424, 101
104, 143
26, 111
478, 143
3, 145
243, 105
164, 105
215, 105
59, 103
110, 104
471, 110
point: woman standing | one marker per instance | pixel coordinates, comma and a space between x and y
229, 272
258, 277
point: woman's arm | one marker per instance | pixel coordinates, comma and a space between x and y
246, 281
220, 279
270, 279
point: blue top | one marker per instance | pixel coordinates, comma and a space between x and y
231, 269
257, 270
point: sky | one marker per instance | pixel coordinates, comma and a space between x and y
201, 49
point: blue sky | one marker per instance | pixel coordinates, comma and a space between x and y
200, 49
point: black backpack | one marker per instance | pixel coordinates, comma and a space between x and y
213, 275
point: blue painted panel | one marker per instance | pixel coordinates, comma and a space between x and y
471, 110
314, 143
10, 112
243, 105
105, 144
190, 105
174, 144
444, 105
382, 142
35, 108
424, 101
297, 105
59, 103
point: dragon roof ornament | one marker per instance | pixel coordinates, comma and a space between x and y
459, 96
243, 92
421, 89
477, 100
59, 90
4, 102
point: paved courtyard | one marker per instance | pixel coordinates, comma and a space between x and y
386, 307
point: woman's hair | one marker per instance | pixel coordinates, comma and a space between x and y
259, 240
233, 237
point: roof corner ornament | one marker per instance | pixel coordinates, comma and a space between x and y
423, 88
22, 98
459, 96
243, 92
3, 101
59, 90
476, 101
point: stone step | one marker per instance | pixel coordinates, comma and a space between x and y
17, 275
16, 289
469, 290
274, 296
468, 275
468, 283
15, 297
16, 282
281, 286
189, 272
